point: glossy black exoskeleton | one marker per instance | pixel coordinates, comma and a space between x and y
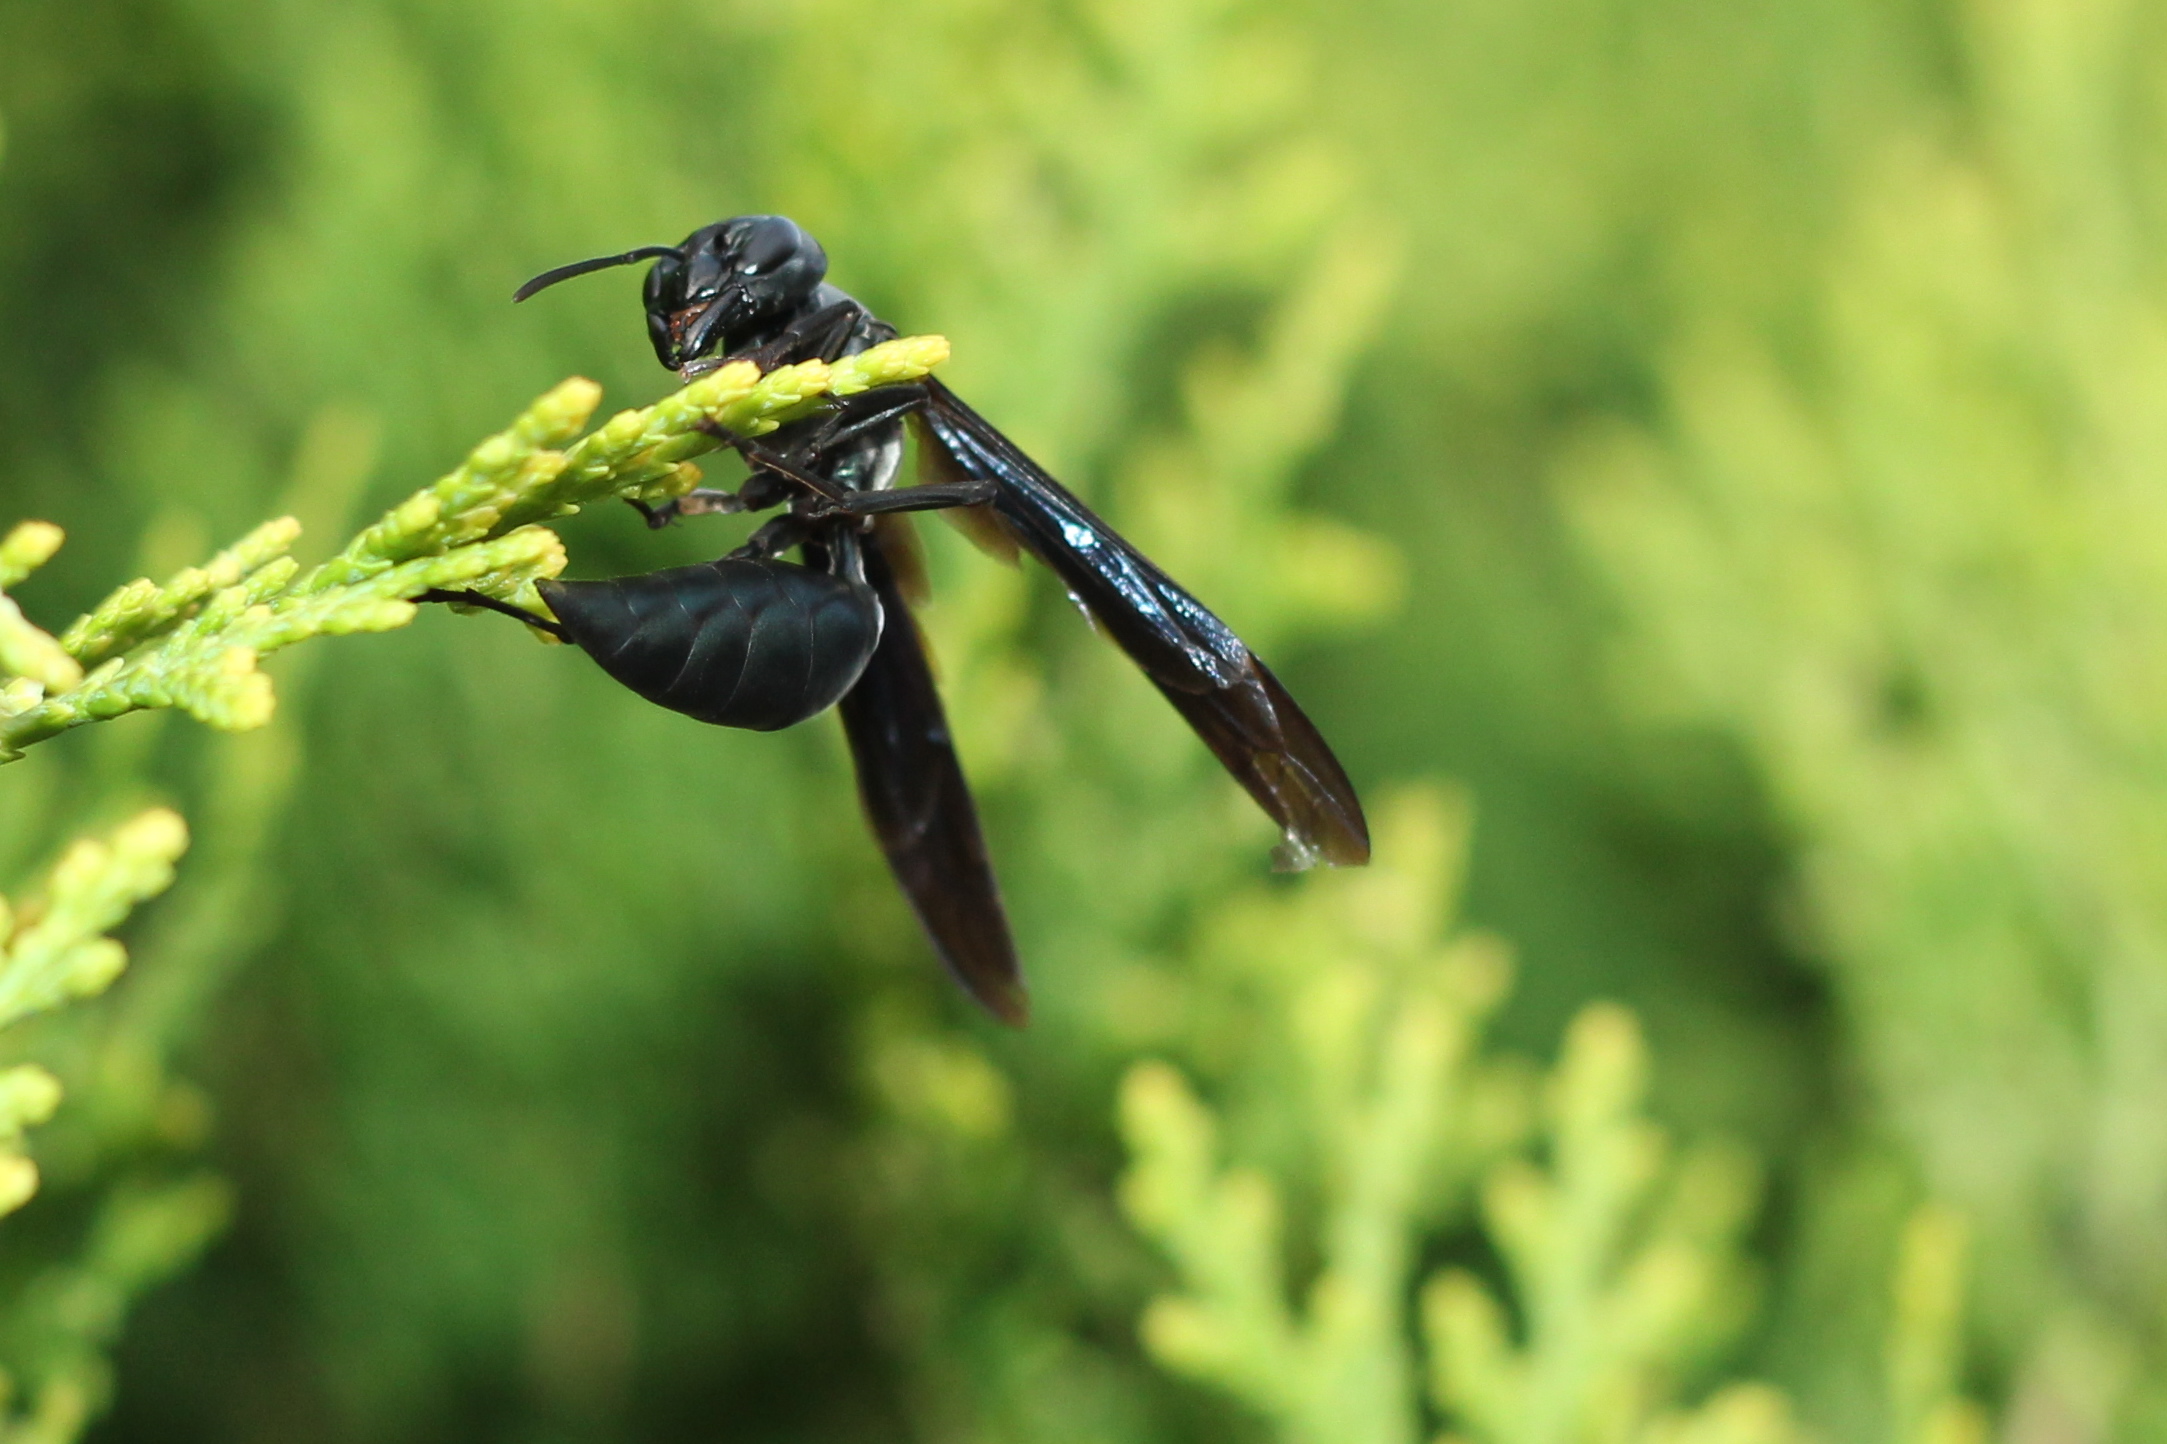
756, 641
738, 642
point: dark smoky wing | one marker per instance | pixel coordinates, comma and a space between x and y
1273, 750
1168, 632
920, 806
905, 554
981, 524
1230, 698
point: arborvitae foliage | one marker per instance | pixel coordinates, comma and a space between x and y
578, 1070
1604, 1281
1898, 539
66, 1309
193, 642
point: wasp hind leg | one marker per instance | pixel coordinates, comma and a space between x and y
933, 496
491, 604
776, 536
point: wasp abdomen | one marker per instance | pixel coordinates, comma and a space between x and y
736, 642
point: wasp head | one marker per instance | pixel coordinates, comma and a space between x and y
725, 287
728, 285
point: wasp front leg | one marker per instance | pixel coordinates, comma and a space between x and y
760, 491
700, 501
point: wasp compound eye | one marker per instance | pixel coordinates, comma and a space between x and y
768, 244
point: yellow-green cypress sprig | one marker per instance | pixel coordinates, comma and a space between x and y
58, 948
518, 477
144, 1234
207, 666
28, 547
1380, 1019
638, 452
1924, 1354
1626, 1265
194, 642
142, 609
28, 1096
25, 651
468, 503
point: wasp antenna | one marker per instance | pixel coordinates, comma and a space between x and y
599, 263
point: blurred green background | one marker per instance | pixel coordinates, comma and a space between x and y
1726, 443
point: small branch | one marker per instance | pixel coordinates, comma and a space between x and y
194, 643
57, 949
25, 651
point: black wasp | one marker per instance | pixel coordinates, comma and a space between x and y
754, 641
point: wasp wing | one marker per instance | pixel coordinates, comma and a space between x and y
920, 806
1226, 695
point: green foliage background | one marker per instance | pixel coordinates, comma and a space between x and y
1721, 440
